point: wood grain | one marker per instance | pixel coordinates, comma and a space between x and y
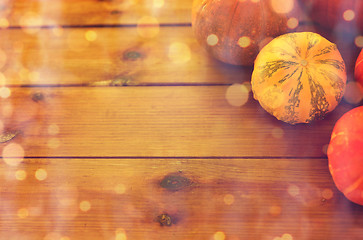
118, 55
239, 198
190, 121
93, 12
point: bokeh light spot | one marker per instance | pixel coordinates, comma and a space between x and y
282, 6
244, 41
277, 132
179, 53
85, 206
5, 92
228, 199
212, 40
13, 154
275, 210
327, 193
292, 23
348, 15
58, 31
148, 27
23, 213
31, 22
41, 174
237, 94
158, 3
53, 129
3, 58
91, 36
120, 188
53, 143
293, 190
286, 236
20, 175
353, 92
4, 23
120, 234
359, 41
219, 236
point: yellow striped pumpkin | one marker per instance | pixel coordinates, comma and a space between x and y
299, 77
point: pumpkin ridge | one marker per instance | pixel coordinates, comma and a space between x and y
335, 82
273, 66
288, 76
294, 102
334, 63
326, 50
318, 101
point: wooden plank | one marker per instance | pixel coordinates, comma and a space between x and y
118, 56
190, 121
93, 12
124, 198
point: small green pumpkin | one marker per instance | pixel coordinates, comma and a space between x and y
299, 77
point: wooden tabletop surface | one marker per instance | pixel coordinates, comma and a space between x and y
111, 129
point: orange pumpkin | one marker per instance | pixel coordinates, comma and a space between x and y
299, 77
345, 154
234, 31
358, 72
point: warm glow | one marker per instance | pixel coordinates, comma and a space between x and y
65, 238
277, 132
148, 27
3, 58
91, 35
282, 6
158, 3
244, 41
5, 92
23, 213
353, 92
20, 175
212, 40
348, 15
237, 94
286, 236
219, 236
120, 189
228, 199
31, 22
2, 79
4, 23
179, 52
359, 41
58, 31
275, 210
255, 1
13, 154
34, 76
41, 174
293, 190
53, 129
292, 23
85, 206
120, 234
327, 193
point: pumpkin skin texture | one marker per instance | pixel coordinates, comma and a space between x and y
299, 77
358, 72
220, 25
330, 13
345, 154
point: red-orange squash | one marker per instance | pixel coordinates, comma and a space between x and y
358, 72
346, 15
233, 30
345, 154
299, 77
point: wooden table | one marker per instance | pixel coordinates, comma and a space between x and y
114, 130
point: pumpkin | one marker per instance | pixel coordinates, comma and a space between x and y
345, 155
358, 72
299, 77
233, 31
346, 15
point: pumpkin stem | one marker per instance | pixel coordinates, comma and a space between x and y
304, 62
